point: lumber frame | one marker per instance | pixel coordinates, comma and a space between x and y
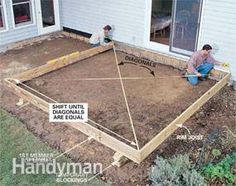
120, 147
135, 155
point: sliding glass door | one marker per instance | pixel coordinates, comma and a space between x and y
185, 26
175, 25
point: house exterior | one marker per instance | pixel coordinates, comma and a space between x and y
140, 23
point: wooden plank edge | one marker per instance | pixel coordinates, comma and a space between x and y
54, 61
32, 41
76, 36
88, 130
62, 62
172, 127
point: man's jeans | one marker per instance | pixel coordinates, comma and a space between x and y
204, 69
95, 45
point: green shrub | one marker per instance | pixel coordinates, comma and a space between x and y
221, 171
177, 171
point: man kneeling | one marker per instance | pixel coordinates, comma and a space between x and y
102, 37
200, 64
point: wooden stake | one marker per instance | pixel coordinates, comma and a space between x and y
119, 160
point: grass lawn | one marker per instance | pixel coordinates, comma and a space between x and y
15, 139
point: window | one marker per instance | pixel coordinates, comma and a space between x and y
22, 12
2, 17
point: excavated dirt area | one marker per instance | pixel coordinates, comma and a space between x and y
153, 101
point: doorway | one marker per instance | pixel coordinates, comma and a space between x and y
48, 16
161, 21
174, 25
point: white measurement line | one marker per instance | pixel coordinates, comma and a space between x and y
230, 131
126, 102
131, 142
108, 167
81, 143
107, 79
23, 105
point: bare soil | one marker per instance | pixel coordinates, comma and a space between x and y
36, 54
153, 103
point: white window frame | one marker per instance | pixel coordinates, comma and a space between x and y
54, 28
23, 25
4, 14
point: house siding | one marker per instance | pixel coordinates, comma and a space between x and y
218, 27
127, 17
17, 34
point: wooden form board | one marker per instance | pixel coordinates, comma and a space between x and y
37, 39
30, 41
76, 36
135, 155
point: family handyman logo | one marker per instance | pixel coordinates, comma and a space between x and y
68, 172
